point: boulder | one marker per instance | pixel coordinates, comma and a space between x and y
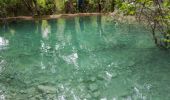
46, 89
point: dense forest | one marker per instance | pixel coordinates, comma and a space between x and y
47, 7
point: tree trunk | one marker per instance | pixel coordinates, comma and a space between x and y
113, 5
26, 3
99, 6
81, 5
69, 6
36, 7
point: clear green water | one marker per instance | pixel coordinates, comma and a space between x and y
82, 58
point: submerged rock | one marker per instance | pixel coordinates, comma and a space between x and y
37, 97
31, 92
96, 94
46, 89
100, 76
92, 79
22, 92
131, 63
80, 80
107, 75
93, 87
88, 96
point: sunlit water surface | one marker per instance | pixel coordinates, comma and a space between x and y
81, 58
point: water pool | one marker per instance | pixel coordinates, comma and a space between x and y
81, 58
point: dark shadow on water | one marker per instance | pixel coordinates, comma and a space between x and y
81, 22
99, 23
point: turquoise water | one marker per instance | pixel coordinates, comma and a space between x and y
81, 58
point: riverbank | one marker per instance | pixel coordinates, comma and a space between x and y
114, 16
51, 16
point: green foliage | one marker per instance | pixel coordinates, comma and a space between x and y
127, 8
154, 13
41, 3
44, 7
167, 39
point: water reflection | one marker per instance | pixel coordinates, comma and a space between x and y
81, 23
71, 42
3, 43
45, 44
99, 23
86, 58
46, 29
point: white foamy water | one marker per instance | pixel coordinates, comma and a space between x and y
3, 43
71, 59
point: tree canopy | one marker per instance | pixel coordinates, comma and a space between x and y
154, 13
47, 7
